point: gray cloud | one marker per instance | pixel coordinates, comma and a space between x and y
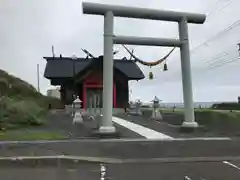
30, 28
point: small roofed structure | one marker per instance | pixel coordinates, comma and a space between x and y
83, 77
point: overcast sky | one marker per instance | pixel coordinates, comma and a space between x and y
30, 27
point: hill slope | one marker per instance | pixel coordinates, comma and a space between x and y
21, 104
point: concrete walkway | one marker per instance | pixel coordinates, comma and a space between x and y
141, 130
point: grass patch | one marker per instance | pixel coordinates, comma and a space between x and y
16, 113
148, 111
170, 110
224, 122
228, 122
30, 135
21, 105
181, 110
227, 106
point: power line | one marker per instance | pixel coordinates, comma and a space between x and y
215, 62
223, 63
224, 7
221, 33
220, 59
212, 11
233, 25
211, 67
218, 56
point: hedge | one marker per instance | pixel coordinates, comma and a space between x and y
226, 106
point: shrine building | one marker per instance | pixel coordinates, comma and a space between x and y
83, 77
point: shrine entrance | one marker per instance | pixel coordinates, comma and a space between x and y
94, 97
93, 91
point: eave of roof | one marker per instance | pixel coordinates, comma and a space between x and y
64, 67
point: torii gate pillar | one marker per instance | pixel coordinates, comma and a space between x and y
189, 120
109, 11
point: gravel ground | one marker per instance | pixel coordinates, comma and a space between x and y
62, 122
168, 129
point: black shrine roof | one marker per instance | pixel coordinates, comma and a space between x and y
63, 67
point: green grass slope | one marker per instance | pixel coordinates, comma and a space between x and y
20, 103
224, 122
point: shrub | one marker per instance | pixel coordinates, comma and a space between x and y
45, 101
12, 79
145, 106
15, 112
20, 89
225, 122
16, 86
226, 106
220, 121
3, 86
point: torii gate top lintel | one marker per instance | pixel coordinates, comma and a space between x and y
142, 13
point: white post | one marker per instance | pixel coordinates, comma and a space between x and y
106, 120
90, 106
98, 105
38, 84
189, 120
72, 108
95, 104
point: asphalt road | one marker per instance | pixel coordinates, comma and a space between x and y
128, 149
86, 171
140, 171
174, 171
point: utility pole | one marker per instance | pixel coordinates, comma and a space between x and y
74, 58
238, 49
53, 54
38, 86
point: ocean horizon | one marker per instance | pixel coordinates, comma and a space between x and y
196, 104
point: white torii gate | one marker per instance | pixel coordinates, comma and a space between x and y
109, 11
